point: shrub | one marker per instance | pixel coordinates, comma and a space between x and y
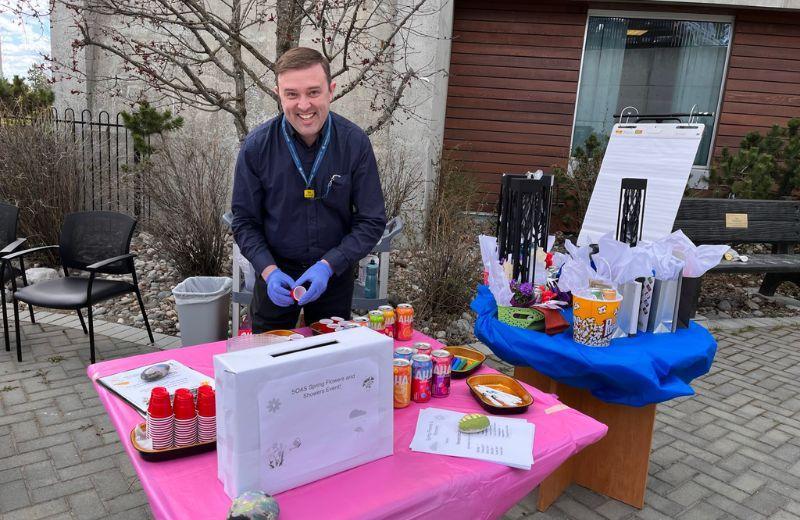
448, 270
187, 182
38, 174
18, 98
574, 186
401, 183
764, 167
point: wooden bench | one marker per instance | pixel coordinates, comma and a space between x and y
737, 221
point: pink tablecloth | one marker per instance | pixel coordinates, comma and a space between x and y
406, 485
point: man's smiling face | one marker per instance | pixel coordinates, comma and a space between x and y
306, 97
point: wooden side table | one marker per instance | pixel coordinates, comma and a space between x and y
617, 465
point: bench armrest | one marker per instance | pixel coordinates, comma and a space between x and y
25, 252
10, 248
102, 263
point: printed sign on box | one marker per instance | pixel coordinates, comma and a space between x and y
345, 408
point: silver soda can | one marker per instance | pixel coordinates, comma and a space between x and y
404, 353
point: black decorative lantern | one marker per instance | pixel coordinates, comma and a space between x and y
630, 217
523, 221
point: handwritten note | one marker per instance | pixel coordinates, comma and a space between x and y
506, 441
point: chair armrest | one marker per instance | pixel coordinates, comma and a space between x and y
25, 252
102, 263
10, 248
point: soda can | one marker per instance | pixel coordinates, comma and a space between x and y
402, 382
423, 348
376, 321
388, 319
404, 326
421, 373
361, 321
440, 386
404, 353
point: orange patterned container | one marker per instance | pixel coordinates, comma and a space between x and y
404, 325
402, 382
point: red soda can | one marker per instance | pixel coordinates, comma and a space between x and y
421, 373
404, 326
423, 348
388, 319
402, 382
440, 385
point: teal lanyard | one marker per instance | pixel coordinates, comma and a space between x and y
317, 161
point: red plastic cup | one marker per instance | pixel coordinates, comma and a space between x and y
184, 405
159, 406
298, 292
206, 402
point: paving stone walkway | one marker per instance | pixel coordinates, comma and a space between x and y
731, 451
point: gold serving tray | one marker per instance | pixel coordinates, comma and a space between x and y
171, 453
468, 353
502, 383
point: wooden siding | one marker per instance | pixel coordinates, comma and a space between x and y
763, 81
513, 82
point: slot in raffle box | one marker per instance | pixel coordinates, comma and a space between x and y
295, 412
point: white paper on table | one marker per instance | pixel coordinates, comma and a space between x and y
132, 388
507, 441
661, 153
312, 420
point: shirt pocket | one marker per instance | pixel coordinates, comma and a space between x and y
338, 197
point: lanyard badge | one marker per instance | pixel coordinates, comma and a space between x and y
308, 192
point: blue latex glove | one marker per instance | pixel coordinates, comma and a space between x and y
279, 288
318, 274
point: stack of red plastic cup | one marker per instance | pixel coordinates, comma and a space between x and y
185, 418
206, 414
160, 427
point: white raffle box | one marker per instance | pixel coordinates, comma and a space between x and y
295, 412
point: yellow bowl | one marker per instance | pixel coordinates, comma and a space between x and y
468, 353
280, 332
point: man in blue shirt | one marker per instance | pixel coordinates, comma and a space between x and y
307, 201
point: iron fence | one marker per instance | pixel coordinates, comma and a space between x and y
105, 159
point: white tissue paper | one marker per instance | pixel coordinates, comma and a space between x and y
698, 259
620, 265
498, 283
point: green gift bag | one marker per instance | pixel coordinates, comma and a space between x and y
521, 317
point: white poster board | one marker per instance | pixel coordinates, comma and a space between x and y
661, 153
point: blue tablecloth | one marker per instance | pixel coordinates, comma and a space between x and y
636, 371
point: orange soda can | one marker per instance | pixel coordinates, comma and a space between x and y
404, 325
388, 319
402, 382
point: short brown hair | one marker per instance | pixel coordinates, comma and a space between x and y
301, 58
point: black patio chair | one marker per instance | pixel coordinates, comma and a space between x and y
94, 242
9, 243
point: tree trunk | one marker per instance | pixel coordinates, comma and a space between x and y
287, 30
240, 117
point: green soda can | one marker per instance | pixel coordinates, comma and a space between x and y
376, 321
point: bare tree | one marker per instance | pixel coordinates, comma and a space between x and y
205, 53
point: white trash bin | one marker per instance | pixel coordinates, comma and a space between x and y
203, 304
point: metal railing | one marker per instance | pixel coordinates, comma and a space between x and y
104, 159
